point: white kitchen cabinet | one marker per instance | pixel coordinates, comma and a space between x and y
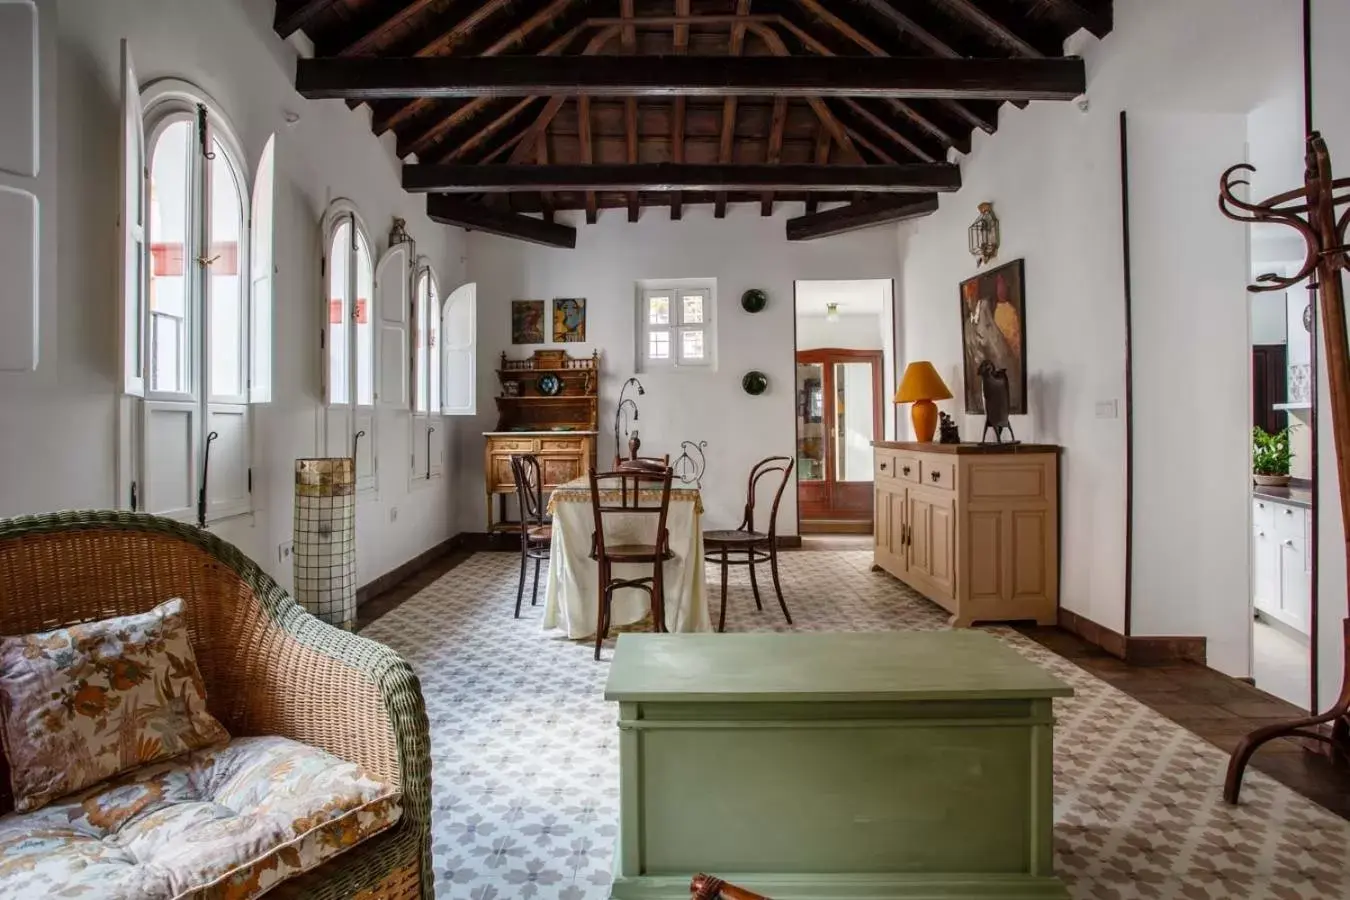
1281, 565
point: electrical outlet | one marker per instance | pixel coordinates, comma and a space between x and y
393, 514
285, 552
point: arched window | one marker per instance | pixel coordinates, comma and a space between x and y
197, 302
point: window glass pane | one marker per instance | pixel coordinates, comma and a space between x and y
691, 345
658, 345
434, 343
339, 312
854, 413
692, 308
658, 309
420, 344
225, 287
169, 250
365, 324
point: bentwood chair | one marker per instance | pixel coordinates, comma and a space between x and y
747, 547
628, 493
536, 531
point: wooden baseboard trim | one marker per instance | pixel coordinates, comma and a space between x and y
402, 573
1137, 651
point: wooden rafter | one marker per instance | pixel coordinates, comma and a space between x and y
587, 153
818, 106
728, 133
541, 157
628, 40
774, 152
822, 159
908, 27
884, 127
864, 214
486, 132
751, 177
297, 15
1000, 34
477, 217
374, 39
1097, 23
681, 42
811, 77
443, 44
555, 103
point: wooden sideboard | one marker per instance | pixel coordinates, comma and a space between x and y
972, 527
558, 427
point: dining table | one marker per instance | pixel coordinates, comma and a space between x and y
571, 604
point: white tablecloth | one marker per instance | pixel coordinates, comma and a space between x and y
571, 605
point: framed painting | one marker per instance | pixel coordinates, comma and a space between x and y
527, 321
569, 320
993, 328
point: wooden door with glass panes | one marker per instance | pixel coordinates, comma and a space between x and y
839, 414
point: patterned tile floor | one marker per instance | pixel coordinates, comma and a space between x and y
525, 754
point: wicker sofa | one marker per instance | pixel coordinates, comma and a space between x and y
270, 668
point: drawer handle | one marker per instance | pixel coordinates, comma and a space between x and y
883, 467
1288, 512
935, 476
1289, 542
905, 470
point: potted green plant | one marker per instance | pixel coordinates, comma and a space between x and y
1270, 457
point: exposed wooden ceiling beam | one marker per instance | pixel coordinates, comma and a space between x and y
290, 19
680, 37
541, 157
1001, 35
587, 155
884, 127
461, 150
374, 39
477, 217
807, 76
554, 104
864, 214
728, 134
461, 179
774, 152
822, 159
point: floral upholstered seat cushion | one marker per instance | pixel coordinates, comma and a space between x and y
228, 823
83, 703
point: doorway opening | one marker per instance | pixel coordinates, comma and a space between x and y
845, 352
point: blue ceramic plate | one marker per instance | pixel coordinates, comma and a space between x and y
549, 385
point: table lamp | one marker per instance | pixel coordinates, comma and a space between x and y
921, 385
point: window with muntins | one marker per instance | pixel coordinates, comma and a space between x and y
675, 327
196, 304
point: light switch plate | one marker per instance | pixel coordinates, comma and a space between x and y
1108, 409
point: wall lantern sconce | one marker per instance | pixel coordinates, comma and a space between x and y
984, 235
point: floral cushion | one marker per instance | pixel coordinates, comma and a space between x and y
83, 703
228, 823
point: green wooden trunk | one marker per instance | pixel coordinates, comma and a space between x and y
906, 765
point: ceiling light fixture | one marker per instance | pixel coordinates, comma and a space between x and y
831, 312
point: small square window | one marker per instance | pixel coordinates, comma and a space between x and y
658, 345
693, 309
658, 310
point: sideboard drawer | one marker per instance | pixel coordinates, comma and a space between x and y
513, 445
907, 468
885, 465
939, 474
560, 445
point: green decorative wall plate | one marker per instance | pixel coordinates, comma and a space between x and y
755, 383
754, 300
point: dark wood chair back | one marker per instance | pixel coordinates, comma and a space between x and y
529, 489
630, 491
765, 467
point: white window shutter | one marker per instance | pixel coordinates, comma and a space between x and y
21, 97
459, 352
135, 259
262, 261
393, 281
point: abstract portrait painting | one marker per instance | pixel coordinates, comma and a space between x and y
527, 321
993, 328
569, 320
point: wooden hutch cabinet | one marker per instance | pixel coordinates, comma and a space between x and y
557, 425
972, 527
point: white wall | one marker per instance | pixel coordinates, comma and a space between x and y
742, 251
862, 332
57, 425
1052, 172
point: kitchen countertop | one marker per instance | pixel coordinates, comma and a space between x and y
1294, 495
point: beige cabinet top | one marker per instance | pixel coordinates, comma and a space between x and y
965, 449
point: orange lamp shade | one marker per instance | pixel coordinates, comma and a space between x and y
921, 385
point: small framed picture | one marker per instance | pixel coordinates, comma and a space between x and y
569, 320
527, 321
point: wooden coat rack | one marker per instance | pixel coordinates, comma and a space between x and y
1311, 211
